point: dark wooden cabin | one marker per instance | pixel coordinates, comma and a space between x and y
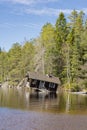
43, 82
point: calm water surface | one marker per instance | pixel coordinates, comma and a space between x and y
22, 99
22, 110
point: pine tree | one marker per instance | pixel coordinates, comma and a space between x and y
77, 27
60, 39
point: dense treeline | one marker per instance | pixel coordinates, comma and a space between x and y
61, 49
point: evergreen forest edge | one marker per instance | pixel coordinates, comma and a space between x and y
60, 49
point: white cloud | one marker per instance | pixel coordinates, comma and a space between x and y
47, 11
11, 25
28, 2
43, 11
50, 11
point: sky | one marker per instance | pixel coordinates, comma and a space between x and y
22, 20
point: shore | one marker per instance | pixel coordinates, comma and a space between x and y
28, 120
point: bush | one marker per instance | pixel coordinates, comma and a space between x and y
75, 87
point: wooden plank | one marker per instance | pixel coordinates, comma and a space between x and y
38, 76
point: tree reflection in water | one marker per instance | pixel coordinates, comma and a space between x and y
23, 99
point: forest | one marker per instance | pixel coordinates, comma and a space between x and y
60, 49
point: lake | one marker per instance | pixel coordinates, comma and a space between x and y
22, 99
24, 110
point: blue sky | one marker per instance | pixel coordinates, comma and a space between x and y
23, 19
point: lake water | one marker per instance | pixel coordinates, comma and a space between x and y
22, 99
22, 110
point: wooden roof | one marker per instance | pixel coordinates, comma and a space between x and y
38, 76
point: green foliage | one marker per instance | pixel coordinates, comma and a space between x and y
61, 32
61, 49
75, 87
48, 44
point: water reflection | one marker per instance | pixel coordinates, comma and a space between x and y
43, 102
